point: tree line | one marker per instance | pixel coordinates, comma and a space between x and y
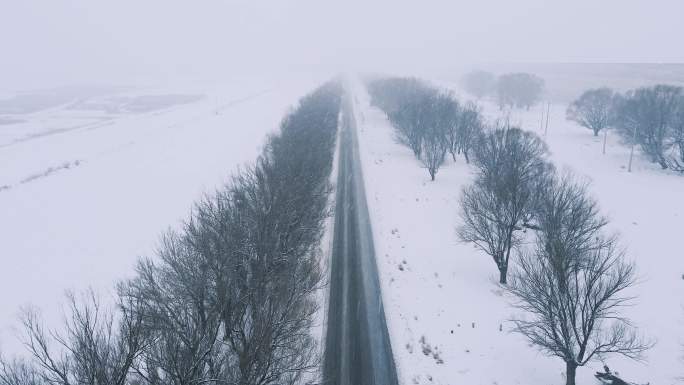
229, 297
431, 122
519, 90
651, 118
566, 273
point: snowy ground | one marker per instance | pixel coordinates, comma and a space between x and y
448, 318
80, 205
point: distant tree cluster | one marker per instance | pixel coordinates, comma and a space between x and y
479, 83
429, 121
649, 117
519, 90
229, 298
568, 277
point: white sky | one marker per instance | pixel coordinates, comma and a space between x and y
58, 42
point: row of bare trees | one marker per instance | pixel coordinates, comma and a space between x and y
649, 117
229, 298
429, 121
568, 276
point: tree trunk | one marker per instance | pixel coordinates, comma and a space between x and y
503, 267
596, 132
662, 162
503, 270
570, 371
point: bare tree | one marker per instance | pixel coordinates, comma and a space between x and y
463, 128
410, 129
19, 372
276, 272
645, 117
434, 151
677, 138
470, 129
593, 109
510, 152
440, 118
485, 227
512, 167
408, 105
573, 284
180, 316
95, 348
451, 121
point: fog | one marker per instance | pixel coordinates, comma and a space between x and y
133, 42
121, 119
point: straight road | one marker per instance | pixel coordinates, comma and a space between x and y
357, 346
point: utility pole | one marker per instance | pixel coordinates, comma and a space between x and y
631, 152
605, 137
548, 107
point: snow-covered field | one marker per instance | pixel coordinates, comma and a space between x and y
447, 316
80, 205
84, 192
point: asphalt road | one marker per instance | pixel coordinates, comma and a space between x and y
357, 346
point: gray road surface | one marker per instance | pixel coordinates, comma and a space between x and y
357, 347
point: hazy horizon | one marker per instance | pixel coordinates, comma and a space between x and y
127, 42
